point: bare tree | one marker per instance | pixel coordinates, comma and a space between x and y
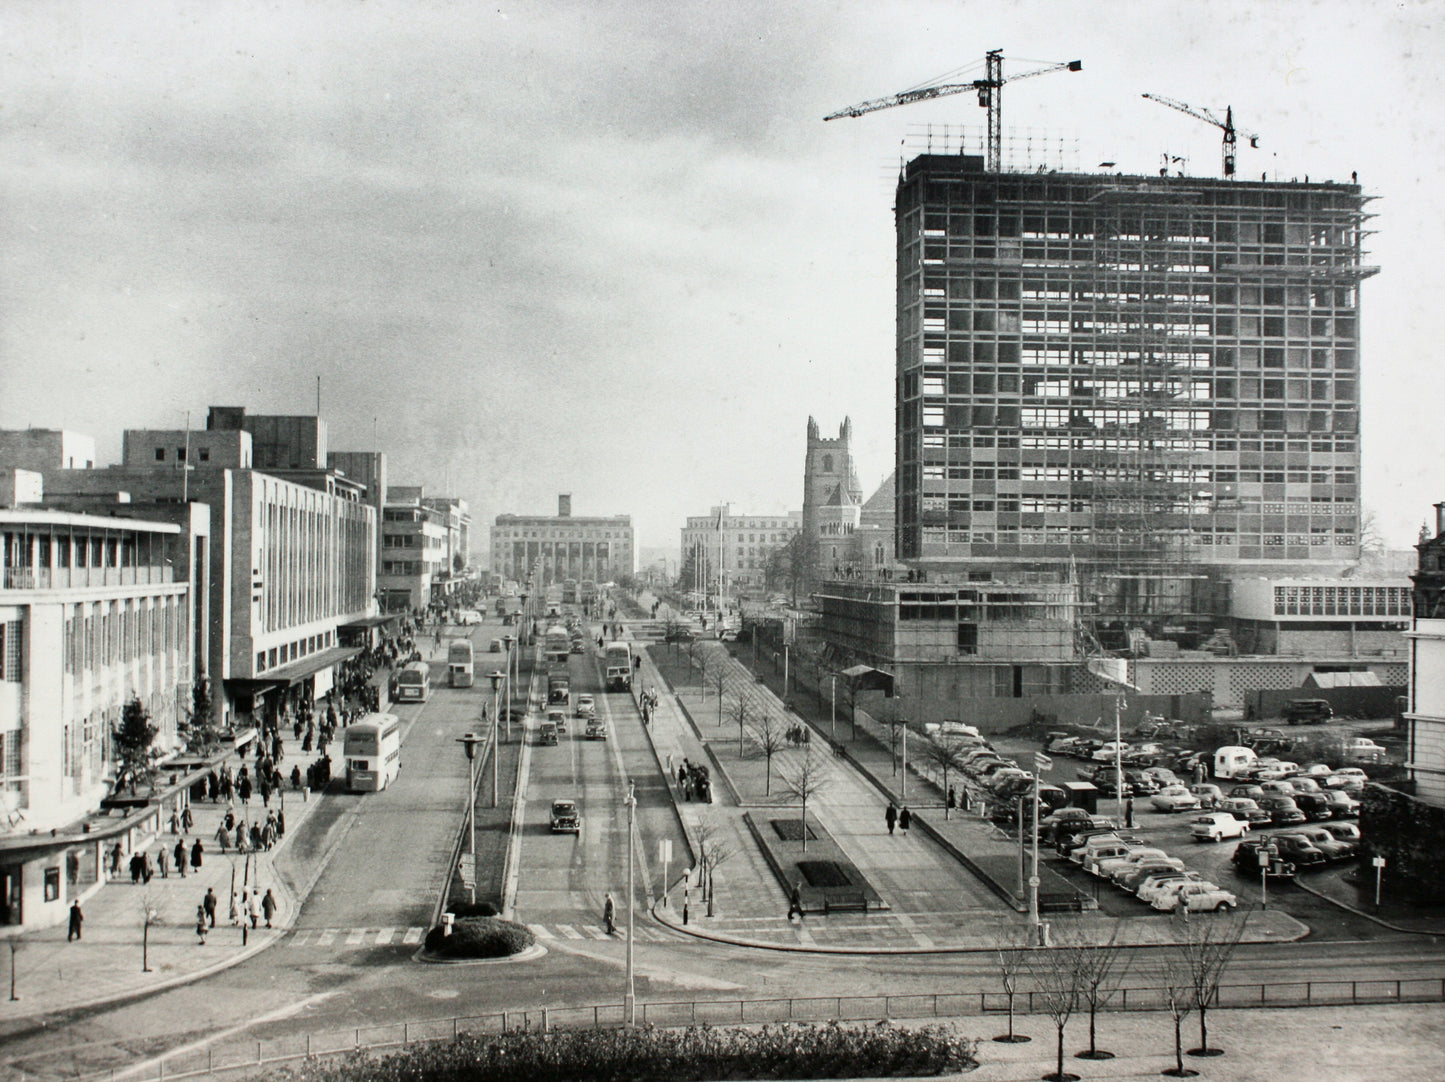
1179, 1001
150, 914
1056, 976
1012, 948
946, 754
742, 714
1101, 966
770, 738
806, 775
713, 851
1203, 952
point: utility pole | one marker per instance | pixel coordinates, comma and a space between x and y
629, 998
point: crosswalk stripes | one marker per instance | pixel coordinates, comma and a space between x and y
356, 938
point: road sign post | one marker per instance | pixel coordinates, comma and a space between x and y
664, 856
1379, 865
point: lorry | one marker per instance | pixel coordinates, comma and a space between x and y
559, 689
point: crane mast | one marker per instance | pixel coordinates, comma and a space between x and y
990, 95
1231, 134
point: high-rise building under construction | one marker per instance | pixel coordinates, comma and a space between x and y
1149, 382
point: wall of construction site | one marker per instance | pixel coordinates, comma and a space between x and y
1230, 681
1286, 641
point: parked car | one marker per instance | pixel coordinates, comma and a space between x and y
1131, 879
1071, 822
1140, 782
1208, 793
467, 617
1104, 753
1096, 855
1319, 771
1083, 852
1152, 887
1073, 847
1337, 778
1216, 826
1162, 776
1248, 792
1274, 770
1315, 806
1244, 808
1345, 783
1333, 848
566, 817
1361, 749
1303, 783
1174, 798
1144, 754
1195, 897
1278, 787
1345, 832
1306, 711
1282, 810
1128, 862
1289, 849
1342, 804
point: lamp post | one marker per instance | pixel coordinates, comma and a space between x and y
629, 998
469, 742
496, 677
508, 640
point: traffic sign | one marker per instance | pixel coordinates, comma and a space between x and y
1041, 762
664, 850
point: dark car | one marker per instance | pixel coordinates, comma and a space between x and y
1286, 848
1315, 806
1283, 811
1305, 711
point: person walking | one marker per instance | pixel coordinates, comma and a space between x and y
201, 924
115, 855
268, 906
180, 855
1129, 813
208, 903
76, 919
188, 821
197, 851
253, 908
163, 862
223, 838
235, 914
891, 817
795, 901
609, 913
905, 820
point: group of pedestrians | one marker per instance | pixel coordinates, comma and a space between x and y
695, 781
901, 818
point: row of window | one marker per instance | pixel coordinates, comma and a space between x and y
294, 651
1085, 535
203, 454
1342, 601
101, 634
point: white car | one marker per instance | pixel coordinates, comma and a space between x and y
1277, 770
1196, 897
1216, 826
467, 617
1151, 887
1157, 866
1105, 752
1174, 798
585, 706
1108, 869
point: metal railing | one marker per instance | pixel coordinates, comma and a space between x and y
258, 1055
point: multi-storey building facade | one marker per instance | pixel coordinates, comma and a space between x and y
413, 551
562, 546
1155, 378
731, 552
458, 521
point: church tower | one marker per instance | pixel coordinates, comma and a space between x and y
832, 496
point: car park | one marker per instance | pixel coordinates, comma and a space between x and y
1196, 898
1216, 826
1174, 798
566, 817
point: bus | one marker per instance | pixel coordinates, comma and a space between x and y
460, 663
413, 682
618, 666
372, 751
558, 644
569, 591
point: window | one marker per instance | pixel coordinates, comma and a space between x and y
160, 454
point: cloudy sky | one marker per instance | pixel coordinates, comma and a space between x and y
611, 248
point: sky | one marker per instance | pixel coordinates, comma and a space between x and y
612, 249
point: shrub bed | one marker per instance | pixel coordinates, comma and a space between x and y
480, 937
643, 1055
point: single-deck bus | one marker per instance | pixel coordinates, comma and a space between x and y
413, 682
372, 751
619, 666
460, 668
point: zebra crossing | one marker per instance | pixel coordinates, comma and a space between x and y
366, 938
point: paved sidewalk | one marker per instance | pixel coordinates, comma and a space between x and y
105, 964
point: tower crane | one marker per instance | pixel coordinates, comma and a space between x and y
989, 89
1230, 132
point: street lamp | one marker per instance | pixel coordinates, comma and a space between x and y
496, 677
629, 998
508, 640
469, 742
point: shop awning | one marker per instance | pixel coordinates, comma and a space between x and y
369, 621
294, 672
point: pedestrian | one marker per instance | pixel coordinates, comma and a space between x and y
1129, 813
905, 820
891, 817
163, 862
281, 824
223, 837
235, 915
76, 919
208, 903
609, 913
180, 855
137, 866
268, 906
795, 901
175, 821
201, 924
253, 908
188, 821
115, 855
197, 851
952, 798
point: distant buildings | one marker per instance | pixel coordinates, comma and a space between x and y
731, 553
599, 548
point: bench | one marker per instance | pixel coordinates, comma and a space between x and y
843, 902
124, 803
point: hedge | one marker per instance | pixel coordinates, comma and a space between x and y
793, 1050
480, 937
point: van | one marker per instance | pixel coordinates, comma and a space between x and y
1306, 711
1233, 761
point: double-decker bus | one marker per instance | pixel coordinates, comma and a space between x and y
569, 591
461, 667
557, 644
618, 666
372, 750
413, 682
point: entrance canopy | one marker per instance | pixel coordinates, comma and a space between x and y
867, 678
293, 673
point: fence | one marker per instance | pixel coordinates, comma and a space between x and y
256, 1056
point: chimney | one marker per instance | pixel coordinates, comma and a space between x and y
564, 505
